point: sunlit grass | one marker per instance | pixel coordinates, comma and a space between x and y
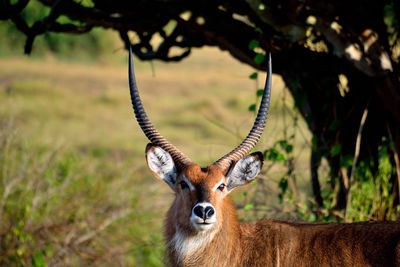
78, 120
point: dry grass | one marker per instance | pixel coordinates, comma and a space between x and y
200, 105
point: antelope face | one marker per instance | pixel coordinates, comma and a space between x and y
199, 192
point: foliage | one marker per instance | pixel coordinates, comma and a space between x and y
81, 113
55, 208
373, 192
337, 59
90, 46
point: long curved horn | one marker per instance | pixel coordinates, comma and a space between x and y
152, 134
252, 138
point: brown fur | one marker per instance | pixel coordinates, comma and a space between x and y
274, 243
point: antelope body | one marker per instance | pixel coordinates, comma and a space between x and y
202, 229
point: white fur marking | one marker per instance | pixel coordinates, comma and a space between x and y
244, 171
191, 187
162, 164
185, 245
218, 184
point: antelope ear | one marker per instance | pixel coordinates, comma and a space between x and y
245, 170
161, 164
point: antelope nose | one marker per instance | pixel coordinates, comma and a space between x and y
204, 212
209, 211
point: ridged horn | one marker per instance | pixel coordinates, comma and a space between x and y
252, 138
148, 129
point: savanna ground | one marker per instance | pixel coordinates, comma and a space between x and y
74, 185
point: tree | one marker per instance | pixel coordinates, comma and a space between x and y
340, 60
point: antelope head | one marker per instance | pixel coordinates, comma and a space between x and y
200, 192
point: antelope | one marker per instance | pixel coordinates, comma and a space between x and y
201, 226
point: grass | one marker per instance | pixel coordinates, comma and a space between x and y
74, 185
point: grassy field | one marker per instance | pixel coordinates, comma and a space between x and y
75, 189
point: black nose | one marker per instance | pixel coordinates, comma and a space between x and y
204, 213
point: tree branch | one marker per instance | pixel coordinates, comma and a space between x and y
8, 11
355, 158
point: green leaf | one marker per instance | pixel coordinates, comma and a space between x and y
283, 184
334, 125
253, 76
274, 155
248, 207
280, 157
259, 58
254, 44
312, 218
282, 143
260, 92
347, 161
336, 150
38, 260
286, 146
252, 107
289, 148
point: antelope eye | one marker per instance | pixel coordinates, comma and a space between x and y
183, 185
221, 187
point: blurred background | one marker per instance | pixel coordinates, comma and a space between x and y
74, 185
